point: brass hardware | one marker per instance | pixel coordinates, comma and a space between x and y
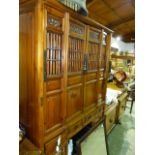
85, 63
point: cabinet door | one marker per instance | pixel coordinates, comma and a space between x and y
91, 76
53, 69
77, 40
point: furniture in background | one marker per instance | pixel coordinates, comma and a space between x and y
122, 61
63, 70
131, 99
122, 101
116, 108
110, 116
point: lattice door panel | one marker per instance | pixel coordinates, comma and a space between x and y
93, 51
54, 54
75, 55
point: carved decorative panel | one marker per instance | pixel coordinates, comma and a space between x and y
76, 28
55, 22
94, 36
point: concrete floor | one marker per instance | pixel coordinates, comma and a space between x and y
121, 140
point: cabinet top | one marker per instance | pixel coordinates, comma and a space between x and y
57, 5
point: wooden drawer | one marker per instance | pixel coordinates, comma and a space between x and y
122, 105
75, 128
88, 118
50, 147
110, 119
123, 96
122, 108
98, 116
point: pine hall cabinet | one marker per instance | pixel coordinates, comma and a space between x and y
63, 67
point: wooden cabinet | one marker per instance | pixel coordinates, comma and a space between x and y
63, 72
122, 100
115, 111
110, 117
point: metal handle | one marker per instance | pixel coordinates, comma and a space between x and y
85, 63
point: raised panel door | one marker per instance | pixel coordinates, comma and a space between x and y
91, 75
76, 46
54, 70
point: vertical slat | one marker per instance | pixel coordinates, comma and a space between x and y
56, 55
91, 51
78, 59
71, 49
95, 53
81, 49
68, 67
51, 52
97, 50
71, 53
60, 54
75, 55
79, 54
48, 55
55, 62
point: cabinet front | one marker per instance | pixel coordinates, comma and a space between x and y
74, 72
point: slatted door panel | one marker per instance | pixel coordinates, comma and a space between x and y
93, 51
91, 76
54, 70
75, 63
75, 55
54, 54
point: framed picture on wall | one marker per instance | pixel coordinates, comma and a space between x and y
94, 142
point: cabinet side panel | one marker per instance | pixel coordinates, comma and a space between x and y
26, 72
